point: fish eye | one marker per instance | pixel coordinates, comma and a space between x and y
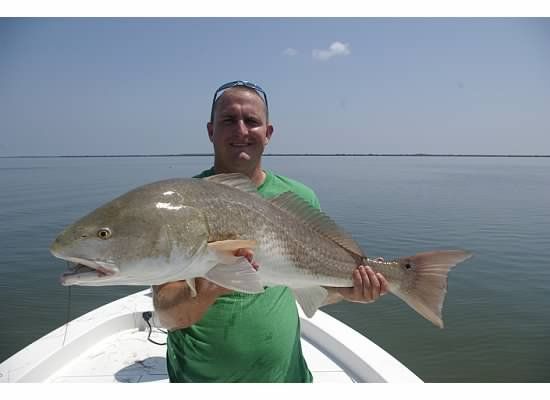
104, 233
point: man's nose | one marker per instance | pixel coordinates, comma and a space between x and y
241, 127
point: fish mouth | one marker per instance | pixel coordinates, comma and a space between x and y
80, 270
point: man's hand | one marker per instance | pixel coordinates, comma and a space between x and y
368, 286
249, 255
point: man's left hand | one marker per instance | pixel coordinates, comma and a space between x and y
368, 286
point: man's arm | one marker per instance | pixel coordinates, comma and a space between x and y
177, 308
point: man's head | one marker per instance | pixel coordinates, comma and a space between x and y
239, 127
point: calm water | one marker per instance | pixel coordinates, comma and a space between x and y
497, 311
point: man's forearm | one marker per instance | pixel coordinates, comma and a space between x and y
170, 294
175, 306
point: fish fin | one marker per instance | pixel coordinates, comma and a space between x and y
425, 289
310, 298
236, 180
224, 249
239, 276
317, 220
191, 284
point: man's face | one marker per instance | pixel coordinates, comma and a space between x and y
239, 131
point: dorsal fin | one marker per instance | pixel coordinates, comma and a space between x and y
317, 220
236, 180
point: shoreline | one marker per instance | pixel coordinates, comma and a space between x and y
289, 155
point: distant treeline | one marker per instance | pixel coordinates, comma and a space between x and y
405, 155
292, 155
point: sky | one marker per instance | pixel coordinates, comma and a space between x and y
94, 86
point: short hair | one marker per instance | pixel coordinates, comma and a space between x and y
238, 85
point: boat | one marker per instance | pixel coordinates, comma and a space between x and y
115, 343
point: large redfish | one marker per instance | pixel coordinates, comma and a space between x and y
186, 228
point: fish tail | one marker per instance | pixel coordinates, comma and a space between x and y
425, 285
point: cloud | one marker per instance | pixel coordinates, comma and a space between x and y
335, 49
290, 52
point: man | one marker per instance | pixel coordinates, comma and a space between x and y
225, 336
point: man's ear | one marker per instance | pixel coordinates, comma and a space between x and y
268, 134
210, 129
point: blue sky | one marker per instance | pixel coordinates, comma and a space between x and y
365, 85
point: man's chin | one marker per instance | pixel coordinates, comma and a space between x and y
245, 156
237, 163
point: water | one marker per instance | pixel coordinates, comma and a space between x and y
497, 310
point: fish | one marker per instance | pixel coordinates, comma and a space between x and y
187, 228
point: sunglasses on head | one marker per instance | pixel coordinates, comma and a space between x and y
229, 85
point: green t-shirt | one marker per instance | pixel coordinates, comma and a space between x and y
245, 337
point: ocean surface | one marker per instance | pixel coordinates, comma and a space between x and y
497, 311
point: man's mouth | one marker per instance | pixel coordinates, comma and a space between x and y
243, 150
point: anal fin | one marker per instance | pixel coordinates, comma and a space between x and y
310, 298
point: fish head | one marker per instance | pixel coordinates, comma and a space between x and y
133, 240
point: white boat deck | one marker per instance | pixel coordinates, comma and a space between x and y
129, 357
110, 345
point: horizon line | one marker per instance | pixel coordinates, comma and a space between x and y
287, 155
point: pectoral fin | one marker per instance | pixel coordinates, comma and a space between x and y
239, 276
310, 298
233, 272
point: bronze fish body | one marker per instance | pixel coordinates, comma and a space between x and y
187, 228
